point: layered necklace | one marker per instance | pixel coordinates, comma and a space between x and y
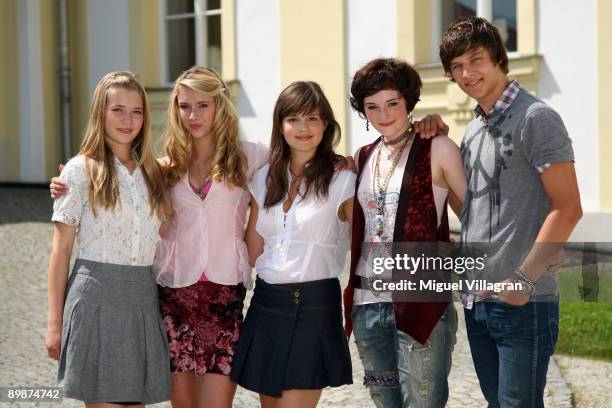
202, 191
381, 182
204, 188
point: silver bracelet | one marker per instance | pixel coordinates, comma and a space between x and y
524, 277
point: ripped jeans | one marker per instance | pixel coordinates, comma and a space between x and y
400, 371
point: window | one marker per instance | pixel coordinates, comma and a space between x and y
502, 13
191, 35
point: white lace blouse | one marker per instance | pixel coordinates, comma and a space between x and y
126, 235
307, 243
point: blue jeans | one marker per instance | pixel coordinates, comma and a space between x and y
511, 347
399, 371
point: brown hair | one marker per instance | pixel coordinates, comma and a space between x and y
470, 33
385, 73
229, 161
100, 160
301, 98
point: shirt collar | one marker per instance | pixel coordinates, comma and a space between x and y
504, 101
123, 169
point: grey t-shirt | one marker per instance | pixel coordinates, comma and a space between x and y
505, 202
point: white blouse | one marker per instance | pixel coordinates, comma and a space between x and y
307, 243
126, 235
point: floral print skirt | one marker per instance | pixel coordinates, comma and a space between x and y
202, 322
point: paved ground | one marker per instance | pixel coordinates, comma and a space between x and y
25, 237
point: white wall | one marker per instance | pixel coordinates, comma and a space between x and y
371, 33
258, 66
567, 41
109, 38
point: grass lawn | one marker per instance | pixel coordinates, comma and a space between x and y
585, 327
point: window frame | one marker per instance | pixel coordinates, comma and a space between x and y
484, 8
200, 16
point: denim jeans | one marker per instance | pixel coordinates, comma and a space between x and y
511, 348
399, 371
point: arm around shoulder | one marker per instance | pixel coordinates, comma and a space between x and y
253, 240
346, 194
447, 171
257, 155
67, 209
346, 211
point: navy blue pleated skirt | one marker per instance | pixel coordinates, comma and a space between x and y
292, 338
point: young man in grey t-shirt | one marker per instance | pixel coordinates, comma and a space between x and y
522, 198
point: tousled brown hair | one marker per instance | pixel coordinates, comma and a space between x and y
385, 73
301, 98
467, 34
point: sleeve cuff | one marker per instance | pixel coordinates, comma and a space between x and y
65, 218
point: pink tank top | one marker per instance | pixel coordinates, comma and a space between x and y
202, 192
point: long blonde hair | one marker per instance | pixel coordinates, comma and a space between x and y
100, 160
229, 161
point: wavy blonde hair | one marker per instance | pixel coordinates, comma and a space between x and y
229, 161
100, 160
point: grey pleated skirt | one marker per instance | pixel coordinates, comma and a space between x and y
114, 345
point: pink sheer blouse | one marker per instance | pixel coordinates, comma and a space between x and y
206, 238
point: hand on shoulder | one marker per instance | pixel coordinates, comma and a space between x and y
430, 126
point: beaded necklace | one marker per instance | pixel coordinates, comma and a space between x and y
380, 189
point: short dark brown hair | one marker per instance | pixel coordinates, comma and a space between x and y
385, 73
470, 33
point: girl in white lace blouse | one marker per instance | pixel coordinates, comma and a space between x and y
104, 325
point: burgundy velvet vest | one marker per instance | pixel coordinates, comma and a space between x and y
416, 221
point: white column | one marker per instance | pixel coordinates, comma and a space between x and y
484, 8
201, 32
32, 119
109, 38
436, 29
258, 66
371, 33
568, 82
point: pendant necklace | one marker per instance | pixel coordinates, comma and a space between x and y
380, 185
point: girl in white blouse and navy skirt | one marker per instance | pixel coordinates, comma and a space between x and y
104, 323
292, 344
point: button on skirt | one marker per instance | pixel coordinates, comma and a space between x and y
114, 346
292, 338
